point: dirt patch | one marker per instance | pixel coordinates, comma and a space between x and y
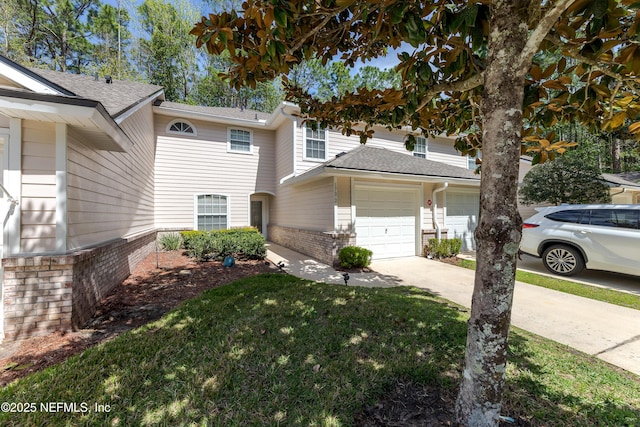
153, 289
409, 405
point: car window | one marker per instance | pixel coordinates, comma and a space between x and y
621, 218
626, 218
572, 215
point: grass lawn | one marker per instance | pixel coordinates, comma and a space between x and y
593, 292
277, 350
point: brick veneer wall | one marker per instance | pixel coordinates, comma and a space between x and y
60, 292
317, 244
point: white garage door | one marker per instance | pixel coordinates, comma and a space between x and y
462, 216
387, 220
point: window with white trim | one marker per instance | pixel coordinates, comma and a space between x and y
211, 212
240, 141
182, 127
471, 161
420, 148
315, 146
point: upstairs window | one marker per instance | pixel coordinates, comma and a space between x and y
471, 161
420, 149
315, 145
240, 141
211, 212
181, 127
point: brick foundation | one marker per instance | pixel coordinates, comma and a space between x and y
320, 245
60, 292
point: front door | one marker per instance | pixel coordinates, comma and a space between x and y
256, 215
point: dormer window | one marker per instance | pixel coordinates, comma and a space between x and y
181, 127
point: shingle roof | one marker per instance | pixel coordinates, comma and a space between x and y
371, 159
234, 113
117, 97
629, 179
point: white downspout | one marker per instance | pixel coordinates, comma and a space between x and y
435, 209
295, 143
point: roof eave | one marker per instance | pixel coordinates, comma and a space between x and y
186, 114
84, 115
328, 171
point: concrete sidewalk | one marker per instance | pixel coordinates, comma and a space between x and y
609, 332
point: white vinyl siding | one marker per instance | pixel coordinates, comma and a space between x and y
212, 212
309, 206
240, 141
110, 194
344, 222
202, 165
38, 199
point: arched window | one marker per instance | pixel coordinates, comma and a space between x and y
182, 127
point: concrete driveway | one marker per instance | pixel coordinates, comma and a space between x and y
607, 331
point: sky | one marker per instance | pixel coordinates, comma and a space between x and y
203, 7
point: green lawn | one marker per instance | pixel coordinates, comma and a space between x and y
276, 350
601, 294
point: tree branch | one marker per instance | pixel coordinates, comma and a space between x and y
546, 23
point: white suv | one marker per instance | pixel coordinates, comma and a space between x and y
569, 238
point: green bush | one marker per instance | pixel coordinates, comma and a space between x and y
242, 243
443, 248
354, 257
170, 242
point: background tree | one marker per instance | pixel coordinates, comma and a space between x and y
168, 55
469, 69
568, 179
64, 33
109, 26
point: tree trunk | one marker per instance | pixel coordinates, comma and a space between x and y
499, 230
615, 155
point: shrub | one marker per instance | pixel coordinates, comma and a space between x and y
242, 243
354, 257
170, 242
444, 248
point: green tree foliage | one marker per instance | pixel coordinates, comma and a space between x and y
210, 89
470, 68
568, 179
167, 53
110, 29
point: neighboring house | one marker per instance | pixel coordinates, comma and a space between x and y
625, 188
98, 167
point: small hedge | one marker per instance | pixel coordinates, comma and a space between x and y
242, 243
354, 257
443, 248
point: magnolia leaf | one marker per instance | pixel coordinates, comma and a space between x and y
536, 72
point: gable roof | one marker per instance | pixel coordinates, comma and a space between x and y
117, 97
380, 162
92, 108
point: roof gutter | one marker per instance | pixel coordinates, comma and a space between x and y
435, 209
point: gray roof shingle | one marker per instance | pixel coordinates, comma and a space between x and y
117, 97
629, 179
371, 159
234, 113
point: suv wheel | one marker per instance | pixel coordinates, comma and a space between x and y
563, 260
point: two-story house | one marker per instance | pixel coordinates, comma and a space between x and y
93, 168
